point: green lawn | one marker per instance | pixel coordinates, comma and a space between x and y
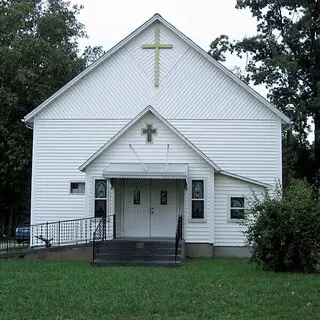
201, 289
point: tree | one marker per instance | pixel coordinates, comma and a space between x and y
284, 55
39, 54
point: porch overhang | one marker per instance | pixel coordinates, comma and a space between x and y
146, 171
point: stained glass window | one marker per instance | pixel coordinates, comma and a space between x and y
197, 199
101, 189
163, 197
236, 207
100, 202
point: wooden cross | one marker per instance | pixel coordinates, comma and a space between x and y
149, 131
157, 46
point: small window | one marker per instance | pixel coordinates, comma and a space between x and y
237, 208
77, 187
197, 199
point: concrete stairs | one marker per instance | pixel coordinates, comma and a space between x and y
149, 252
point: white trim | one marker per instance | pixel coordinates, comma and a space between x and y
252, 181
212, 209
131, 123
280, 154
122, 43
234, 195
94, 196
204, 199
33, 176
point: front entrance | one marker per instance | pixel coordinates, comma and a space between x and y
150, 208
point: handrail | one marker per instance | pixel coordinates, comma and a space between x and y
58, 233
178, 236
106, 230
98, 235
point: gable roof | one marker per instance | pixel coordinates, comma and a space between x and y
150, 109
132, 122
156, 17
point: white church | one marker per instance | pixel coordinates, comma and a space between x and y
153, 130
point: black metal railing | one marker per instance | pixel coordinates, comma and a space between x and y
58, 233
178, 236
106, 230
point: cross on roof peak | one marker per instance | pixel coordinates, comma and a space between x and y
157, 46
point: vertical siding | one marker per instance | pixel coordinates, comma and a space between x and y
226, 232
155, 153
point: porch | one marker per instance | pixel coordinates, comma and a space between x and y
148, 220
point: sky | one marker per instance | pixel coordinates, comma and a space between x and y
109, 21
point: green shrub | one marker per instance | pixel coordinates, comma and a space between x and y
284, 230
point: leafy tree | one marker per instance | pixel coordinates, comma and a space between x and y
39, 54
284, 55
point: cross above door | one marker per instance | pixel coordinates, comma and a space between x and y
149, 132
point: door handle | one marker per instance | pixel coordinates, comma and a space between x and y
151, 211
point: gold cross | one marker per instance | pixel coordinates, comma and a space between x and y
157, 46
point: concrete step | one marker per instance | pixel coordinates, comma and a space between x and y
133, 257
137, 252
110, 249
135, 245
155, 263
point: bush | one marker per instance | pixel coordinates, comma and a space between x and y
284, 231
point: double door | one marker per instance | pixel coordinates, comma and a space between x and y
150, 208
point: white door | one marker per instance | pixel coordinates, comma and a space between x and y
163, 208
150, 208
136, 208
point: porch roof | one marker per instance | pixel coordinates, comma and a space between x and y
148, 171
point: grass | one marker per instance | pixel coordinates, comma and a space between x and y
201, 289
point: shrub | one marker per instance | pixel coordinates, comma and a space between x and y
284, 230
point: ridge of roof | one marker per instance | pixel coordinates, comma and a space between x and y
132, 122
118, 46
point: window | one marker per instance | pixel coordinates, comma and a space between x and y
236, 207
197, 199
100, 201
77, 187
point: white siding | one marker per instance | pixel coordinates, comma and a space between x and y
191, 87
118, 89
226, 232
155, 153
60, 148
248, 148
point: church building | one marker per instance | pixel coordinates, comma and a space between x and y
153, 130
